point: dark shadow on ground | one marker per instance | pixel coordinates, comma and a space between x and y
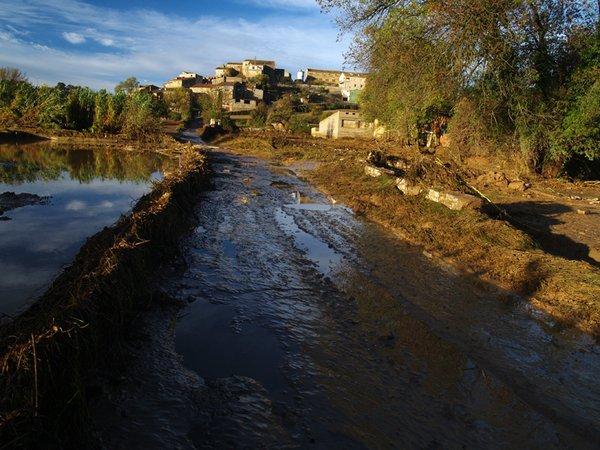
20, 137
536, 218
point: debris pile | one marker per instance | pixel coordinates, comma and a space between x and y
424, 177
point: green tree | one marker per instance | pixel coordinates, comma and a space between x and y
128, 86
501, 67
180, 102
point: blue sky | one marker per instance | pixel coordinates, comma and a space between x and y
98, 43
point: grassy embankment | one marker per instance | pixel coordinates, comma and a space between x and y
50, 355
480, 244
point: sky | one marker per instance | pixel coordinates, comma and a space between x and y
99, 43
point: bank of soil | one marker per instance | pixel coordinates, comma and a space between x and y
509, 251
52, 354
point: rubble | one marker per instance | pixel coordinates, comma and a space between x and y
518, 185
454, 200
374, 171
408, 188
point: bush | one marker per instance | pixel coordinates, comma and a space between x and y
77, 108
299, 123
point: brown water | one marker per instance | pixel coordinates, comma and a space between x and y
88, 190
307, 327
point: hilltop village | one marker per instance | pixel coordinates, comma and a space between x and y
258, 93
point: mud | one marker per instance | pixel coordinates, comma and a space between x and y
308, 327
10, 200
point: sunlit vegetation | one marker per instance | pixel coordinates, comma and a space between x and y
130, 112
501, 75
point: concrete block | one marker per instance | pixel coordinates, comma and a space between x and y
407, 188
374, 171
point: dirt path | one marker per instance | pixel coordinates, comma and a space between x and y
308, 327
564, 218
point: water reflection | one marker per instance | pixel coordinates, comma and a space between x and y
89, 190
45, 162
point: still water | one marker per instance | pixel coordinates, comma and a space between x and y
88, 190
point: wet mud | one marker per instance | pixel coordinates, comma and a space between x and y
307, 327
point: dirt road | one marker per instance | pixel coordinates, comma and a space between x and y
310, 328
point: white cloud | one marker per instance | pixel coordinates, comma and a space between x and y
155, 46
107, 42
75, 205
74, 38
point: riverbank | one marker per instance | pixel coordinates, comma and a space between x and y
164, 142
485, 245
51, 354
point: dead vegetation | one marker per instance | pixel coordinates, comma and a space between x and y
49, 355
481, 243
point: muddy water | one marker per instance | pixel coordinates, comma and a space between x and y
307, 327
87, 190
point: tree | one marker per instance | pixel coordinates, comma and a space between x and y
12, 74
500, 66
180, 102
282, 110
128, 86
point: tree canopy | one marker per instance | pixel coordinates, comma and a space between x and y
128, 86
524, 71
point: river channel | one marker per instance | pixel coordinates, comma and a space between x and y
308, 327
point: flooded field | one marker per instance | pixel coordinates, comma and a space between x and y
81, 192
307, 327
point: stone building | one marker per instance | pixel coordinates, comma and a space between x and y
234, 96
184, 80
254, 67
323, 76
351, 83
344, 124
152, 89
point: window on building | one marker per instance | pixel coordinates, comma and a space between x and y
350, 124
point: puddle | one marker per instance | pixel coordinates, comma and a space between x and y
324, 257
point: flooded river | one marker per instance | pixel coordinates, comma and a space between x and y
307, 327
87, 191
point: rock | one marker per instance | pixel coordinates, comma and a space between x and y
519, 185
497, 178
434, 196
407, 188
10, 200
445, 141
376, 158
582, 212
375, 172
457, 201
